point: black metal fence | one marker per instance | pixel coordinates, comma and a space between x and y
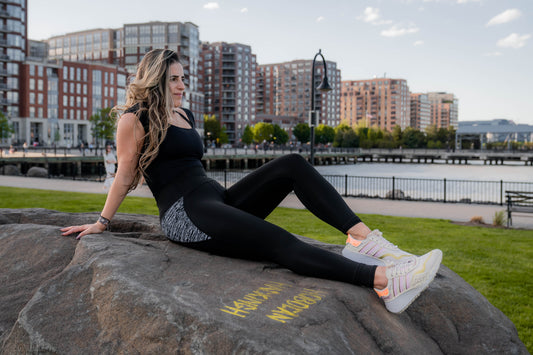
394, 188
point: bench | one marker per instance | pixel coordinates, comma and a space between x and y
518, 201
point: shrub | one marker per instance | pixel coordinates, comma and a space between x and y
499, 218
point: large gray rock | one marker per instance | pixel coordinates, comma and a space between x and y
130, 291
10, 170
37, 171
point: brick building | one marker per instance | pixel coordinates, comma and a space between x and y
285, 90
382, 102
58, 97
126, 46
444, 109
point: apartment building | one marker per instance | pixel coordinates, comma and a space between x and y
444, 109
229, 85
420, 111
13, 44
126, 46
284, 89
183, 38
99, 45
382, 102
58, 97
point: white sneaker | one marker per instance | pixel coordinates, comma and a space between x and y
374, 250
407, 280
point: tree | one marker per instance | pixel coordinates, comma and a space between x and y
103, 125
280, 136
345, 137
324, 134
413, 138
302, 131
397, 135
263, 132
214, 131
247, 135
212, 127
5, 129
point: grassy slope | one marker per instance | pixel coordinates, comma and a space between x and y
497, 262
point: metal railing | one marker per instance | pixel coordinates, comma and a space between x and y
412, 189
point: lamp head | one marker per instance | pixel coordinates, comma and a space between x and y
324, 85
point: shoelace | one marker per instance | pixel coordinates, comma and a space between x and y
378, 237
401, 269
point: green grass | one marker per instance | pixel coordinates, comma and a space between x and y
496, 261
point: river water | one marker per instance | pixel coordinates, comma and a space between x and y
511, 173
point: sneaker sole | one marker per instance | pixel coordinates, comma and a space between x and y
400, 303
361, 258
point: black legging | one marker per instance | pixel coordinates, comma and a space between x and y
234, 219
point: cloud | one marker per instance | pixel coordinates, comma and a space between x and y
493, 54
397, 31
504, 17
320, 19
514, 40
456, 1
244, 10
371, 15
211, 6
418, 43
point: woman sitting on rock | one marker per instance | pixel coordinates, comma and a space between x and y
156, 138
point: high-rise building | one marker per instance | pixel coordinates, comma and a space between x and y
127, 45
183, 38
382, 102
444, 109
285, 89
13, 45
229, 85
420, 111
99, 45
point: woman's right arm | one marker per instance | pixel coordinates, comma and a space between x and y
129, 143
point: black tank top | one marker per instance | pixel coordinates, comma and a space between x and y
177, 169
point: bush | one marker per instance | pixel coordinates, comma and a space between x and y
499, 218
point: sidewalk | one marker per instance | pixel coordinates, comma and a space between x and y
453, 211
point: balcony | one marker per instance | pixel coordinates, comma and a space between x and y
4, 57
4, 13
3, 87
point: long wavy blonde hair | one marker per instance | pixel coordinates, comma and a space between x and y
150, 92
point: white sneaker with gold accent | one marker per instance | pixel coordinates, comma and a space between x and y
374, 250
407, 280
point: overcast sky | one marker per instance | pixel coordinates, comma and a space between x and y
480, 50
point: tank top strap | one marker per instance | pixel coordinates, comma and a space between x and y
189, 118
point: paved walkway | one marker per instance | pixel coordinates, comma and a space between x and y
452, 211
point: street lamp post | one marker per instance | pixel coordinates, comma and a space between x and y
313, 114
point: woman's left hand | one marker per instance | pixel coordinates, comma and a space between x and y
85, 229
